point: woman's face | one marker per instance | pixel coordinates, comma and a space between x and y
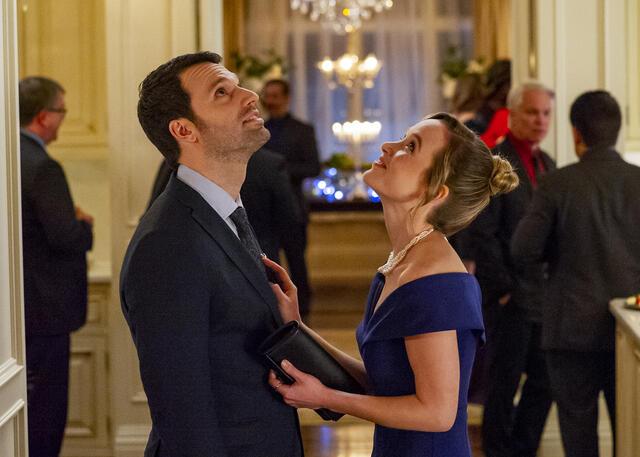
399, 172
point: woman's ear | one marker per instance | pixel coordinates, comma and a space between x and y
183, 130
441, 195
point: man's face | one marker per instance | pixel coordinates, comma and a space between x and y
53, 118
530, 120
226, 114
274, 100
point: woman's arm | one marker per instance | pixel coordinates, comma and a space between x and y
436, 368
286, 294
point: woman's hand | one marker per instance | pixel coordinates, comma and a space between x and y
306, 392
285, 291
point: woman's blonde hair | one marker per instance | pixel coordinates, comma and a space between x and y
472, 174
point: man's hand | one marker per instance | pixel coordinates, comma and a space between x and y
82, 216
502, 301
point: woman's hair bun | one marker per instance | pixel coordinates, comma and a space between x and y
503, 178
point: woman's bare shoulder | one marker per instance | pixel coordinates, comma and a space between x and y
431, 257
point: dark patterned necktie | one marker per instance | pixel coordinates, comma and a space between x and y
246, 235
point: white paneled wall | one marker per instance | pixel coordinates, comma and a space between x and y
13, 395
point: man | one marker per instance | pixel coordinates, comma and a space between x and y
584, 221
55, 239
270, 204
514, 293
296, 142
193, 289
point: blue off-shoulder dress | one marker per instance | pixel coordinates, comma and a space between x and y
447, 301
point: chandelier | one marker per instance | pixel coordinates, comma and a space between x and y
341, 15
356, 132
350, 72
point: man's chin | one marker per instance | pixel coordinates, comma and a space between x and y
260, 136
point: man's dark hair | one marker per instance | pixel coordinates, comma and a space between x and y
36, 93
280, 82
163, 99
596, 115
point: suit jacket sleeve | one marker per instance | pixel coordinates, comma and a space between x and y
306, 163
168, 303
51, 200
530, 241
493, 270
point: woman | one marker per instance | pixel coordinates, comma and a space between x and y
423, 318
467, 99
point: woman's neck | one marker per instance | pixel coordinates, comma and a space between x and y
401, 227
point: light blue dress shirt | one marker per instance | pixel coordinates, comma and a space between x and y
34, 137
218, 198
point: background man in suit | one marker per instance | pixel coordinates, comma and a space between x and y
270, 203
193, 288
584, 221
514, 294
296, 142
55, 238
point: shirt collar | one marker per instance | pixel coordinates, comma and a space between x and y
523, 146
34, 137
218, 198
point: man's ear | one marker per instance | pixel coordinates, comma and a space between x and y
577, 136
578, 142
41, 118
183, 130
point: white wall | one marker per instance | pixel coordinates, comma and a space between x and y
577, 45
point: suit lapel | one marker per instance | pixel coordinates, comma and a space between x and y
218, 229
508, 151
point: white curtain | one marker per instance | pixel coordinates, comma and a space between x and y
411, 39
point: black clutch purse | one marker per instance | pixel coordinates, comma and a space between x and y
291, 342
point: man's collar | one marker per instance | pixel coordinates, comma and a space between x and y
34, 137
218, 198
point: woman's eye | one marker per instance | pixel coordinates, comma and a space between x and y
411, 146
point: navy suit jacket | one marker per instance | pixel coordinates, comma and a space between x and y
54, 246
584, 220
198, 307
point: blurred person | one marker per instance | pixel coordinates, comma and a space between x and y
584, 221
423, 318
467, 98
513, 296
296, 142
193, 289
56, 236
498, 84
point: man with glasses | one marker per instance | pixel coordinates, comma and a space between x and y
56, 236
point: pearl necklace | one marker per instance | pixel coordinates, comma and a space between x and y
395, 259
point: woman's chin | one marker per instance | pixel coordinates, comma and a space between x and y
367, 178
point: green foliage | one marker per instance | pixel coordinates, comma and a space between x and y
257, 67
454, 66
343, 161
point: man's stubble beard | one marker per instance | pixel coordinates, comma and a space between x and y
236, 148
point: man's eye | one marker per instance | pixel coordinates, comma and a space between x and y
411, 146
221, 91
